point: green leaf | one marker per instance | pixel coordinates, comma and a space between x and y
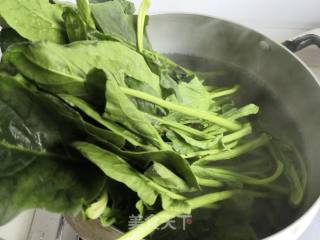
115, 19
120, 109
249, 146
142, 105
96, 209
8, 36
179, 144
75, 27
34, 19
29, 131
118, 169
85, 13
106, 219
171, 160
166, 178
203, 144
37, 169
118, 130
63, 69
128, 6
52, 184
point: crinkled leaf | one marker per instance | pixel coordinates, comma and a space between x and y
75, 27
115, 18
118, 169
34, 19
36, 168
120, 109
63, 69
91, 113
8, 36
166, 178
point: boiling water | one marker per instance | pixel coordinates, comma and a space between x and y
268, 216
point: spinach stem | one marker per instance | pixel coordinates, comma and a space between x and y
164, 216
209, 182
229, 124
161, 189
246, 130
233, 176
140, 23
209, 152
236, 152
217, 94
180, 126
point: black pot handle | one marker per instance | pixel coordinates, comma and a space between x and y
303, 41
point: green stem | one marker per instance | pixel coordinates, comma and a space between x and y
180, 126
209, 152
209, 182
164, 216
297, 189
161, 189
217, 94
231, 175
140, 23
229, 124
85, 13
236, 152
246, 130
152, 54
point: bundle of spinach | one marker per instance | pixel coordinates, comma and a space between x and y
94, 122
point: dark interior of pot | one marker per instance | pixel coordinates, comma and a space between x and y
269, 76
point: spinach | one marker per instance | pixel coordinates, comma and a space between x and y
38, 19
76, 28
91, 113
52, 184
8, 36
95, 122
129, 116
115, 18
164, 177
63, 69
34, 143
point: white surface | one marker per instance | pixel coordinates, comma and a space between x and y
18, 228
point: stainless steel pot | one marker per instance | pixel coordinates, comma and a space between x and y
286, 76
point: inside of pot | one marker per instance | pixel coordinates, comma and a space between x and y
271, 77
266, 216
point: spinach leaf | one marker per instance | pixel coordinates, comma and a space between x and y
8, 36
128, 6
91, 113
166, 178
72, 117
143, 105
171, 160
192, 94
49, 183
33, 143
85, 13
120, 109
34, 19
28, 132
118, 169
115, 19
75, 27
63, 69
